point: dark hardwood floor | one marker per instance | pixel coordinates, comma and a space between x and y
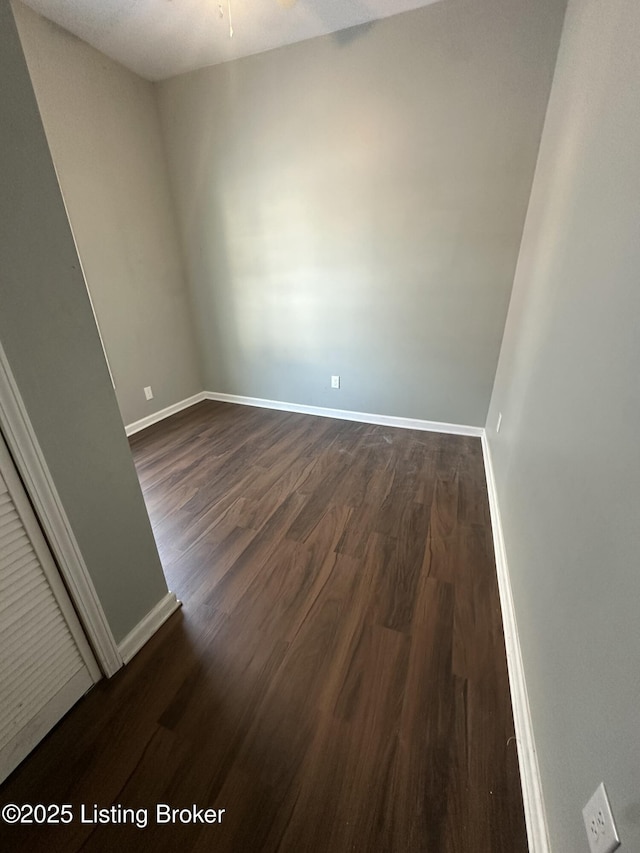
336, 680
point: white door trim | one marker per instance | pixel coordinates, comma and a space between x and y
31, 464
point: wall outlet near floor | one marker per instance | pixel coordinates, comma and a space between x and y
148, 393
598, 819
499, 423
335, 381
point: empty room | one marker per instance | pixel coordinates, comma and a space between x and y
319, 481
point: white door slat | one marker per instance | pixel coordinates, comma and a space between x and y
19, 595
38, 653
26, 609
11, 544
24, 566
40, 645
19, 692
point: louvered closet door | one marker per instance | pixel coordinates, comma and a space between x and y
46, 664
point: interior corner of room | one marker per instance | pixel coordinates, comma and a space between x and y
441, 210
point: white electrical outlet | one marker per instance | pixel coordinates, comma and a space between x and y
148, 393
598, 819
499, 424
335, 381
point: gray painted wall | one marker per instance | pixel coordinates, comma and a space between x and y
102, 126
51, 341
354, 205
567, 458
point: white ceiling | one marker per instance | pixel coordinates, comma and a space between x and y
161, 38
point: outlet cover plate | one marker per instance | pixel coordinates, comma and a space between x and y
598, 820
335, 381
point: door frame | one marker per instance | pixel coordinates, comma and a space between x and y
29, 460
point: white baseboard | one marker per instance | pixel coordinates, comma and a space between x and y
143, 423
339, 414
533, 800
342, 414
146, 628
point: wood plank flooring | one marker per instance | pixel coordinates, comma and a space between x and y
336, 680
